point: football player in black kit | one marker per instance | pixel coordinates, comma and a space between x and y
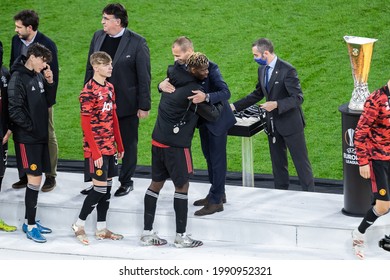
30, 94
171, 147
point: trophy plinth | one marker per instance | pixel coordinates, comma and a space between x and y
360, 52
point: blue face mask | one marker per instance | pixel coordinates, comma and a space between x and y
261, 61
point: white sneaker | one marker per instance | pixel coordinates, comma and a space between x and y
358, 243
150, 238
184, 240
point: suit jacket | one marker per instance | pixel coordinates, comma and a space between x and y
16, 51
285, 88
131, 72
219, 93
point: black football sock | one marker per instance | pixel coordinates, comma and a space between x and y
368, 220
150, 204
104, 204
180, 204
91, 201
30, 201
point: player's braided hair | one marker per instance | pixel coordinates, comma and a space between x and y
197, 60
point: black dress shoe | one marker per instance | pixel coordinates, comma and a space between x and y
50, 184
123, 190
22, 183
87, 190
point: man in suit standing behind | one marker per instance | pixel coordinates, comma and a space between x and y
278, 82
131, 78
26, 27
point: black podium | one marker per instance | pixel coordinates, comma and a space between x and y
357, 190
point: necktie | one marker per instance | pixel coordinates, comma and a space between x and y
266, 78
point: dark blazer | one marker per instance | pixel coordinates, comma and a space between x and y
131, 72
220, 93
285, 88
16, 51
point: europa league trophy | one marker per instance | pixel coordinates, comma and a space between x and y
356, 189
360, 53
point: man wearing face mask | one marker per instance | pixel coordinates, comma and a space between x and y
278, 82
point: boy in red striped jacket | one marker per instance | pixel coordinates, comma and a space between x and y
102, 144
372, 143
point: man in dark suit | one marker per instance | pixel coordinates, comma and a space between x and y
26, 27
131, 79
278, 82
213, 135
